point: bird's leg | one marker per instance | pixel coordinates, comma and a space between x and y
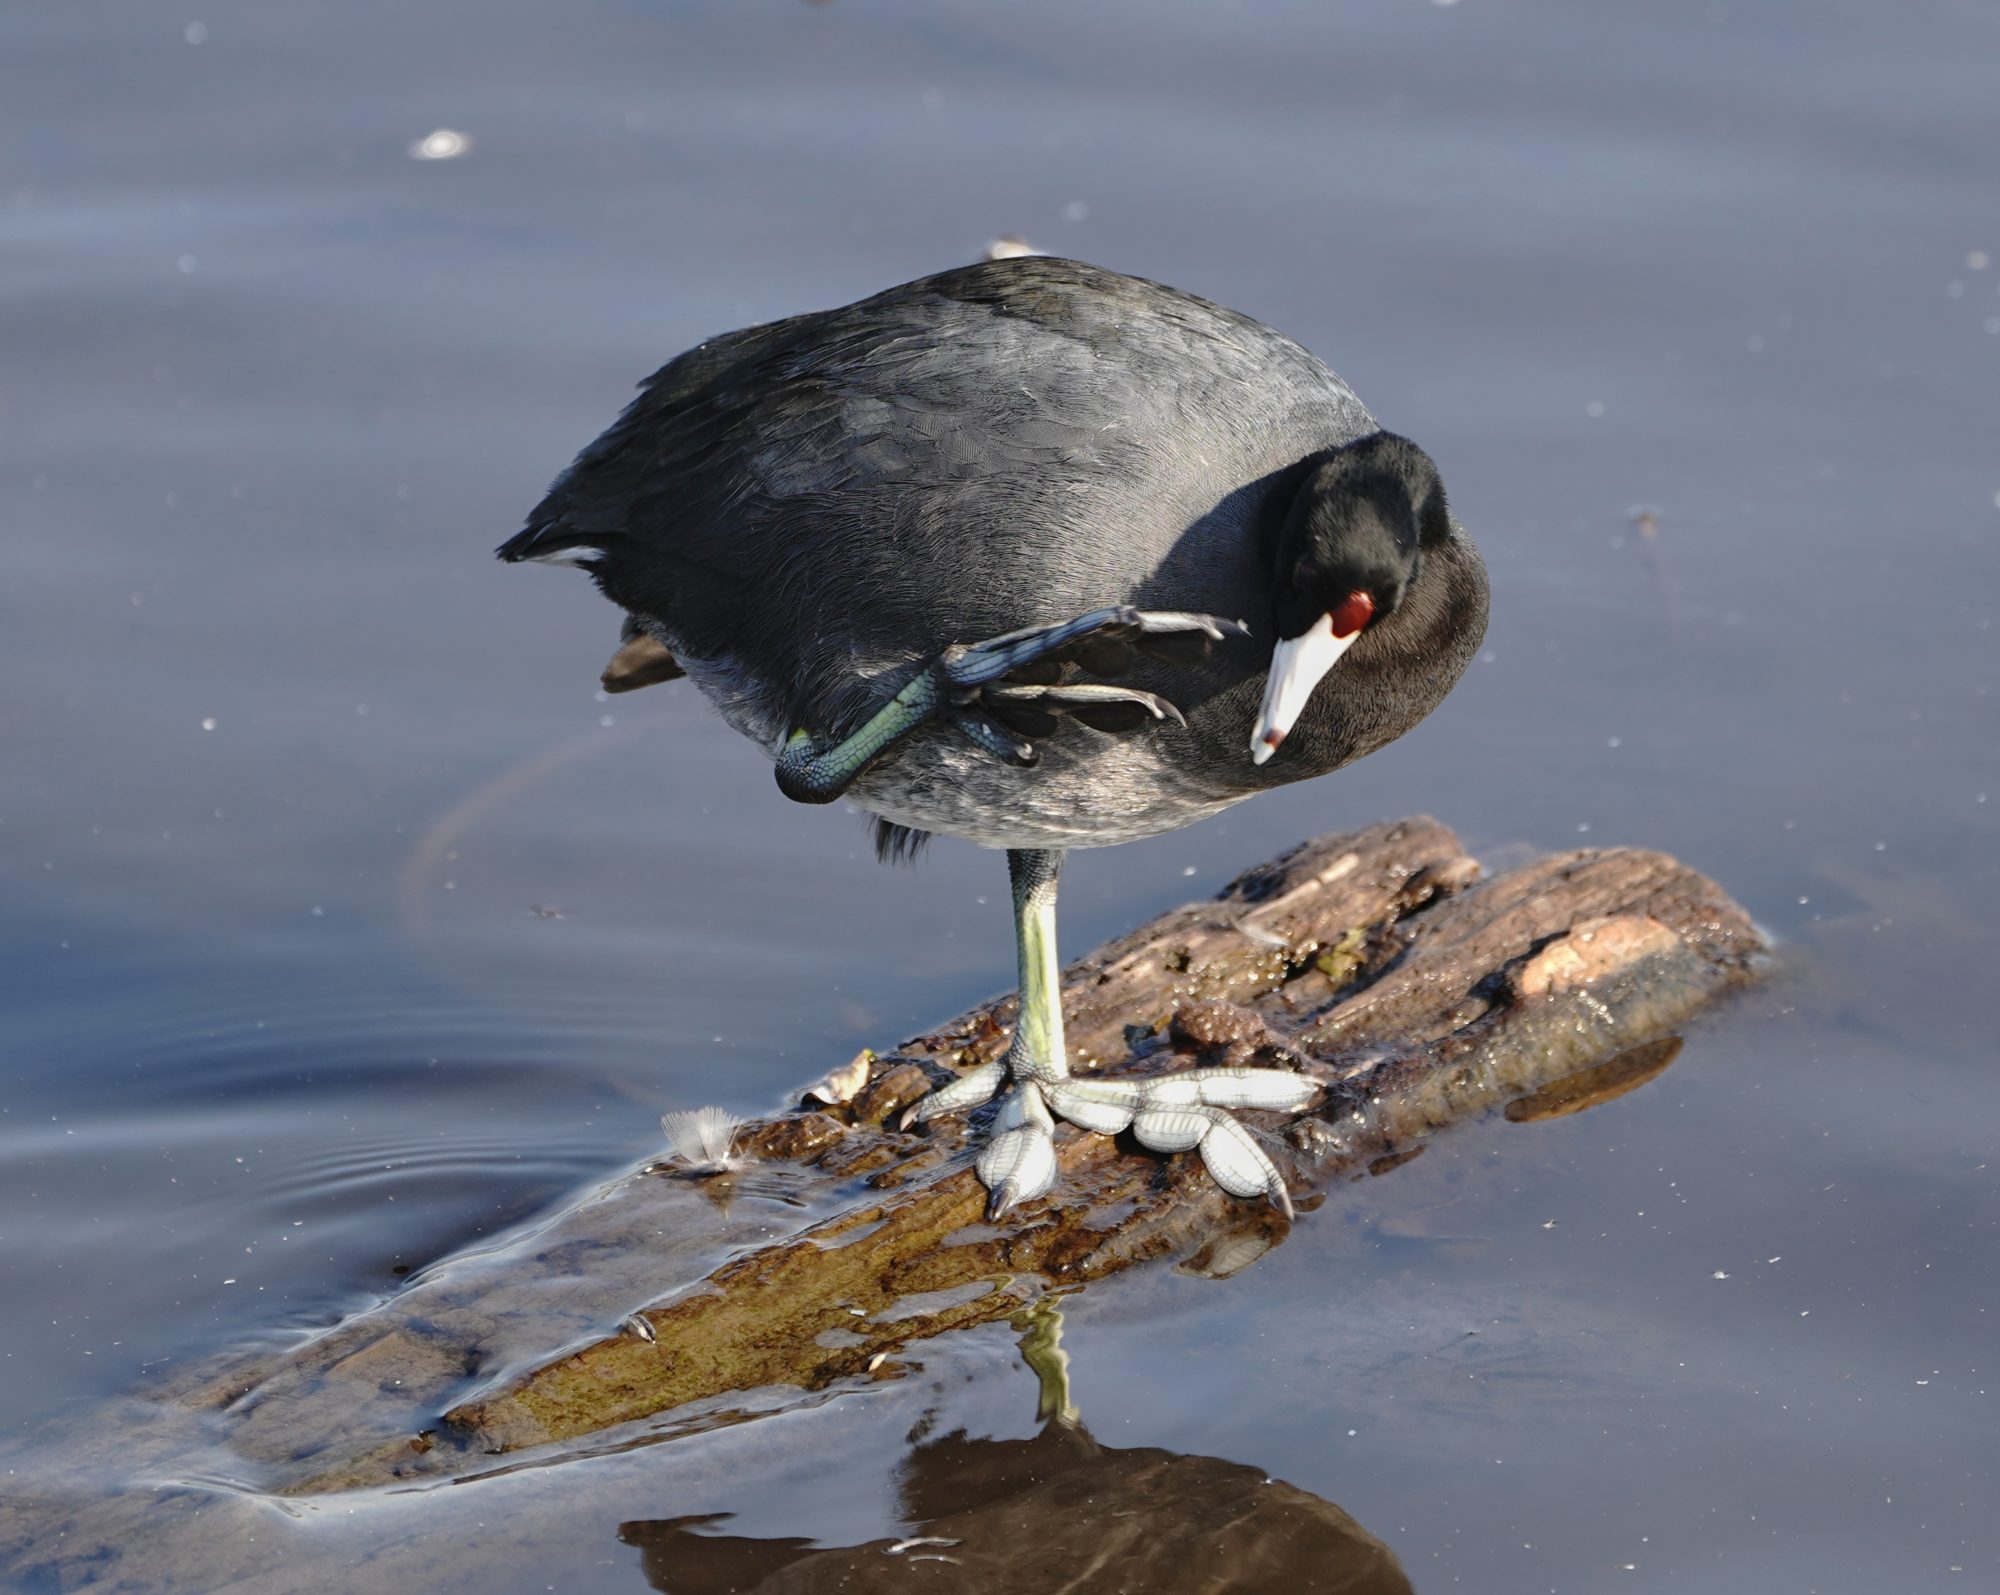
1005, 694
1169, 1113
1036, 1053
811, 772
1018, 1161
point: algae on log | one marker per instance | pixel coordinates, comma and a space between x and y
1379, 962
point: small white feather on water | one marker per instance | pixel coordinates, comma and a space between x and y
442, 144
702, 1138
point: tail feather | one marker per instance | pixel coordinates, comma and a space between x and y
553, 543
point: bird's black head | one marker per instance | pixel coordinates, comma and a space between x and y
1353, 541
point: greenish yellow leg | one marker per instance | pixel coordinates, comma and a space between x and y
810, 773
1037, 1049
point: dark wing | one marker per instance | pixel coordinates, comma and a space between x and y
625, 482
834, 496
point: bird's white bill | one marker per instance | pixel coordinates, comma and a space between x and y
1296, 668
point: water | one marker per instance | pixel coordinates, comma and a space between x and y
345, 926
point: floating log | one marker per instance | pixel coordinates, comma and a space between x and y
1380, 962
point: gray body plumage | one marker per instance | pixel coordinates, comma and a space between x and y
807, 512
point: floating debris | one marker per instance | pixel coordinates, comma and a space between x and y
702, 1138
920, 1542
843, 1083
1012, 246
637, 1324
441, 144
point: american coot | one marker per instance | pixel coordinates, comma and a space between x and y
1045, 557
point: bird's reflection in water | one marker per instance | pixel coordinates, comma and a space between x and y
1058, 1511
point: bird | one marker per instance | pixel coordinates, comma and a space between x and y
1042, 556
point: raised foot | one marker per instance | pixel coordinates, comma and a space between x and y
1170, 1113
1008, 692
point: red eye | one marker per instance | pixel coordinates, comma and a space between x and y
1351, 614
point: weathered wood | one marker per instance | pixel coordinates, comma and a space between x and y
1378, 962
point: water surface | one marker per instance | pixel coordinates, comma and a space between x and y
344, 925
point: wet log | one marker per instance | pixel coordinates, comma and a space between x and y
1380, 962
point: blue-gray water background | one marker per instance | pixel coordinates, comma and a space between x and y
342, 924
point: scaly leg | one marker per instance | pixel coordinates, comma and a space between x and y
1018, 1161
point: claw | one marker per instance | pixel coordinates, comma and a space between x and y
1237, 1163
1229, 1152
1007, 691
1181, 1111
1006, 745
967, 1091
1032, 708
1019, 1163
1081, 639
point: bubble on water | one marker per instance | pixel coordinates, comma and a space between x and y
208, 723
1076, 210
1594, 409
196, 32
1977, 260
441, 144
